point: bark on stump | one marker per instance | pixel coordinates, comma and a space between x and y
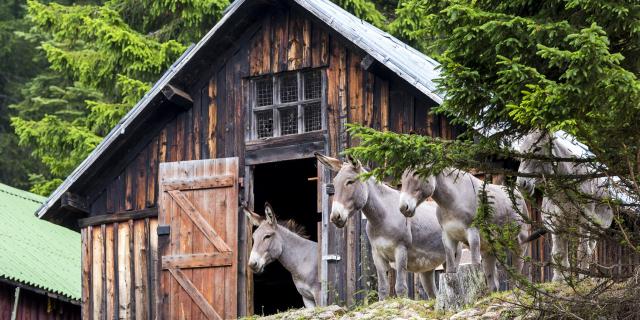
462, 288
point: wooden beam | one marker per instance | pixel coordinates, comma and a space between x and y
74, 202
177, 96
198, 260
118, 217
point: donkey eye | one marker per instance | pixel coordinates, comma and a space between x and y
350, 182
267, 236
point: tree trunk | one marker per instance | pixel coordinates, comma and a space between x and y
461, 288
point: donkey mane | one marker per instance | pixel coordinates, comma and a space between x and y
294, 227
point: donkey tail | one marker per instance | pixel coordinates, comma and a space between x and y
535, 235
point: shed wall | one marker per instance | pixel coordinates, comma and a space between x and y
34, 306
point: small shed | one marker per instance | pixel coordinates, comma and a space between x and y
236, 120
39, 262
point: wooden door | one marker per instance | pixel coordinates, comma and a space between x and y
197, 239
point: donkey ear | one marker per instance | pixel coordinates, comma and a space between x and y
331, 163
271, 216
254, 218
355, 163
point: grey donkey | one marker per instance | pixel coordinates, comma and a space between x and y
272, 241
558, 209
456, 193
403, 244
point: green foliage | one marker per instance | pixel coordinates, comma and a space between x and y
365, 10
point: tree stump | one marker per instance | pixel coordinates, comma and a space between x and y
462, 288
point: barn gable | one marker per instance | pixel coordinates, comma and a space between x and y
272, 83
378, 51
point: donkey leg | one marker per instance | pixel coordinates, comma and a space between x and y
490, 271
450, 250
428, 281
308, 302
401, 271
560, 255
382, 267
473, 238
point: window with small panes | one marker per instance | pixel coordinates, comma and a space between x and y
288, 103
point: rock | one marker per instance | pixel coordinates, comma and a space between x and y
490, 315
466, 314
461, 288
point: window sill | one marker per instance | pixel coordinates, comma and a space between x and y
313, 136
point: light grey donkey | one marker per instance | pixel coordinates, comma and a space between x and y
557, 209
403, 244
272, 241
456, 193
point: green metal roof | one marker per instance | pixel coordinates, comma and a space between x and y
36, 252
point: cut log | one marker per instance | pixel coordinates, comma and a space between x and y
462, 288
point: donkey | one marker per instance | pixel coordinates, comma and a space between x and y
272, 241
559, 209
456, 193
413, 245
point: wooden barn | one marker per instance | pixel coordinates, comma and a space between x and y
236, 120
39, 262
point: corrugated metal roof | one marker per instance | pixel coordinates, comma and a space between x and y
411, 65
408, 63
36, 252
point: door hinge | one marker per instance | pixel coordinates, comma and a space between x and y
330, 189
331, 257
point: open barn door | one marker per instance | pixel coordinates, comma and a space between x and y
197, 239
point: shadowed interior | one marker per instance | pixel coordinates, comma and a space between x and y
291, 189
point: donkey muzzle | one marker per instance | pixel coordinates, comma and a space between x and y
407, 205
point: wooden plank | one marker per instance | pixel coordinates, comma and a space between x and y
197, 260
141, 180
195, 295
265, 46
306, 43
97, 267
130, 186
195, 183
177, 96
212, 112
288, 140
300, 151
151, 266
368, 119
140, 248
124, 272
110, 272
384, 104
196, 217
255, 54
198, 242
152, 173
86, 235
118, 217
231, 238
324, 48
295, 42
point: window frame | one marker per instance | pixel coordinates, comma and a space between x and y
276, 105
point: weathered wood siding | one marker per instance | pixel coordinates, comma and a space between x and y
282, 40
35, 306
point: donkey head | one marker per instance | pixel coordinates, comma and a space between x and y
351, 192
415, 189
267, 242
536, 143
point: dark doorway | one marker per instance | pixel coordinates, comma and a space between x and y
291, 189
